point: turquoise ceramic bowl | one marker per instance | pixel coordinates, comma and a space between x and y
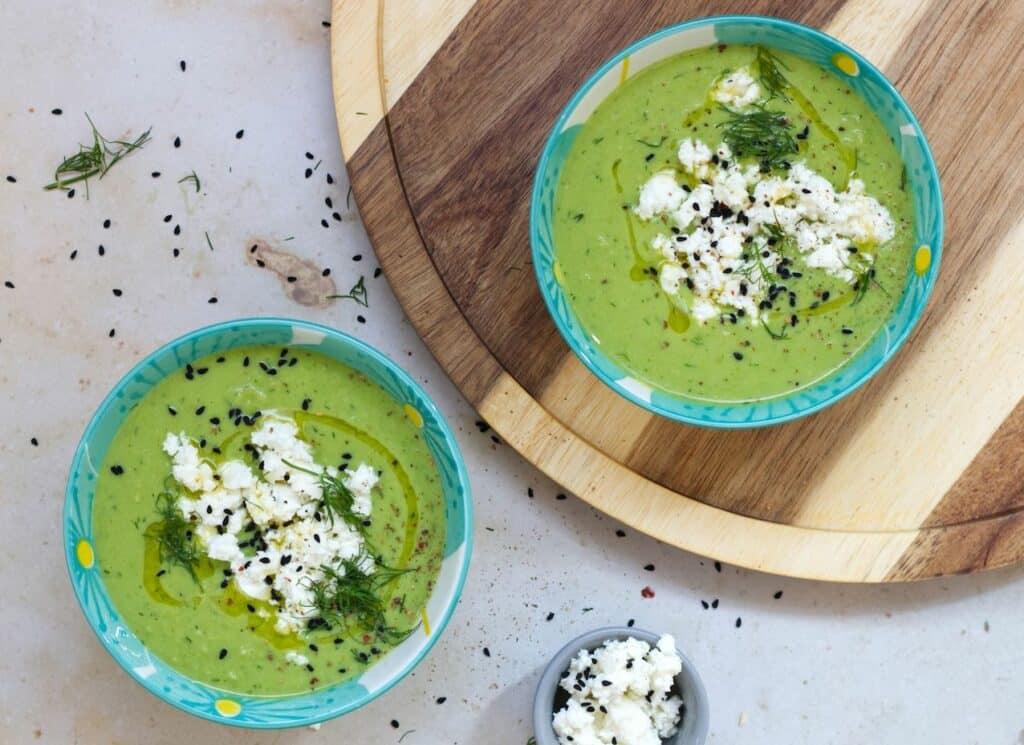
865, 80
85, 566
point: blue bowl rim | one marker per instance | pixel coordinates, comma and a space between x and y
718, 422
451, 443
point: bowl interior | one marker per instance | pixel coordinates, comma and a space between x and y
866, 81
550, 696
197, 698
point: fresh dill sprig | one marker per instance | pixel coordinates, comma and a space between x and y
174, 535
336, 499
761, 134
94, 160
347, 597
193, 178
356, 293
772, 79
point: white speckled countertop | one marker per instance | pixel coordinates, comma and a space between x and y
928, 663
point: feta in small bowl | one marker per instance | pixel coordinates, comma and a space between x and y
620, 685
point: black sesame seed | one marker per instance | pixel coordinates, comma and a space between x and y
846, 330
117, 292
377, 272
324, 223
361, 319
330, 179
171, 410
12, 180
177, 142
738, 355
117, 470
739, 622
154, 174
441, 699
718, 566
177, 229
549, 616
560, 497
309, 172
630, 622
649, 567
212, 301
239, 134
777, 595
112, 333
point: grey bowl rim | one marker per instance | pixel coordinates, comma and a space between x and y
544, 696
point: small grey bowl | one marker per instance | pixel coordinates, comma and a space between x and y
693, 729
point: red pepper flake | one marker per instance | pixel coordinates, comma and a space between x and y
647, 592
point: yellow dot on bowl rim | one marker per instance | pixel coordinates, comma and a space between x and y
846, 63
84, 553
227, 707
556, 269
922, 259
426, 621
414, 416
625, 70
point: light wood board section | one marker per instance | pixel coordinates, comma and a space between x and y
442, 109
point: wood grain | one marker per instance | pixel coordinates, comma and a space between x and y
917, 474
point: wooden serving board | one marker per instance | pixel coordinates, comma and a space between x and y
443, 108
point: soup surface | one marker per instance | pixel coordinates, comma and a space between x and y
192, 614
816, 265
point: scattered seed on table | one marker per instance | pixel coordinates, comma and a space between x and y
327, 200
239, 134
325, 24
529, 492
117, 292
309, 172
487, 652
560, 497
620, 533
718, 566
9, 285
704, 604
549, 616
326, 272
35, 442
649, 568
330, 179
154, 174
309, 155
106, 223
73, 254
212, 301
336, 216
112, 333
168, 218
71, 193
714, 603
324, 223
630, 622
12, 180
292, 278
357, 257
182, 65
360, 319
177, 142
739, 622
177, 229
100, 250
441, 699
176, 252
377, 272
395, 724
57, 112
777, 595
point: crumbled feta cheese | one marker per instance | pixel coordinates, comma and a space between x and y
296, 659
297, 541
660, 194
723, 248
621, 692
737, 89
